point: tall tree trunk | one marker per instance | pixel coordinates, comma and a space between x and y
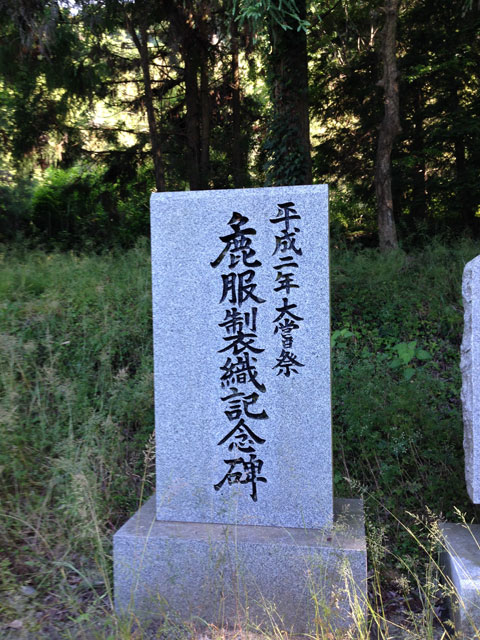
462, 187
204, 123
192, 115
289, 137
389, 129
238, 168
467, 212
419, 195
142, 48
190, 25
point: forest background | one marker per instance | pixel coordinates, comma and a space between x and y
102, 103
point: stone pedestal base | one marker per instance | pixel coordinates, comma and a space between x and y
294, 579
461, 562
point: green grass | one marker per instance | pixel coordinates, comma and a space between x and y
398, 324
76, 416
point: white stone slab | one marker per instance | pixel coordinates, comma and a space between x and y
461, 560
187, 308
470, 368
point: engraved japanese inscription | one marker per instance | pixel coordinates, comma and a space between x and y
289, 253
242, 356
239, 373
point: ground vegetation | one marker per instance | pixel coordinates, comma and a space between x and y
76, 409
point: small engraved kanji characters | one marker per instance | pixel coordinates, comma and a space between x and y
286, 363
235, 320
236, 399
286, 310
239, 287
285, 282
248, 472
242, 371
238, 244
239, 342
287, 321
286, 241
243, 436
285, 213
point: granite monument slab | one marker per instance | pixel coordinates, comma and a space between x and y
242, 356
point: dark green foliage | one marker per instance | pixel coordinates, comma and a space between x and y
76, 381
437, 161
398, 433
90, 206
344, 96
351, 218
76, 417
15, 208
287, 144
285, 154
63, 75
49, 69
285, 164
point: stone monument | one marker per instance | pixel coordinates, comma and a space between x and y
462, 558
470, 367
243, 523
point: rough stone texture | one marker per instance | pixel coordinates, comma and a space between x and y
462, 566
190, 421
228, 574
470, 367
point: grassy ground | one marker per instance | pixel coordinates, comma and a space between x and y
76, 418
76, 414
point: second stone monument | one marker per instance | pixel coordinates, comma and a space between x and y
462, 542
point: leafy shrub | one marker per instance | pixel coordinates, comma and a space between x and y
67, 207
14, 209
397, 324
90, 206
352, 221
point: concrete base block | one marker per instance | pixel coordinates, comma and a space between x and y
461, 562
295, 579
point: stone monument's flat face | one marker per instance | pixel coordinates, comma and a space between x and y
470, 367
242, 356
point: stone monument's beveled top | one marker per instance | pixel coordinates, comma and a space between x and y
242, 356
470, 367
